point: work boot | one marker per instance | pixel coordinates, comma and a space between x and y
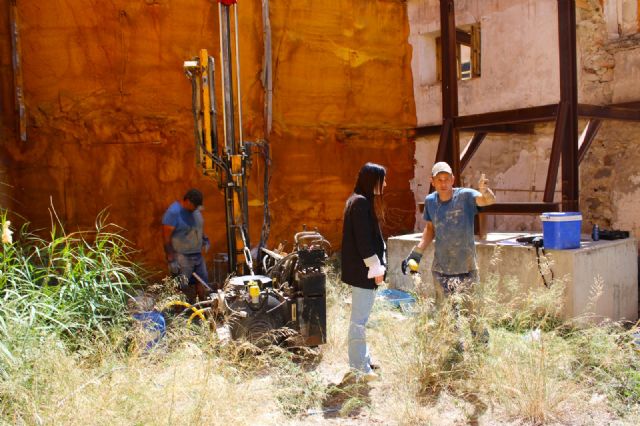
368, 377
355, 376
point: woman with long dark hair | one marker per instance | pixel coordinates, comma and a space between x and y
363, 259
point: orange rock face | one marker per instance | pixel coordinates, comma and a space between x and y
109, 123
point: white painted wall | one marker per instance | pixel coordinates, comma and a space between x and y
621, 17
520, 68
626, 75
519, 55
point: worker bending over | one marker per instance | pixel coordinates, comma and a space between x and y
184, 240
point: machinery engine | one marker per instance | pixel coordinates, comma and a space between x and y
291, 296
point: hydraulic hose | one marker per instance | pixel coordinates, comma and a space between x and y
198, 313
187, 306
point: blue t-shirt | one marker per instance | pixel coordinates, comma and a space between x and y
187, 235
455, 251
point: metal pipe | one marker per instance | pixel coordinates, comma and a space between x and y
227, 79
235, 14
201, 281
213, 114
267, 66
17, 71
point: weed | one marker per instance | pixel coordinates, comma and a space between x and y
74, 285
62, 363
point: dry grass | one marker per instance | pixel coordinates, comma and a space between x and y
189, 380
557, 374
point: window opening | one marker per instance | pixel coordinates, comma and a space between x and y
467, 52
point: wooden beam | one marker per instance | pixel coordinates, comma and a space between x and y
588, 135
520, 128
521, 115
421, 131
445, 130
556, 151
569, 96
449, 65
463, 37
471, 149
609, 112
631, 104
441, 153
515, 208
449, 145
521, 208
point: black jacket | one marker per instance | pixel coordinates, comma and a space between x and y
361, 238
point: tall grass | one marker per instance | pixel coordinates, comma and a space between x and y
73, 285
536, 369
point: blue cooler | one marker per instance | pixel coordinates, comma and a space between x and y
561, 231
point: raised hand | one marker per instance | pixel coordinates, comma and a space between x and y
483, 183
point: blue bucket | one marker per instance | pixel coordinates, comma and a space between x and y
154, 322
561, 231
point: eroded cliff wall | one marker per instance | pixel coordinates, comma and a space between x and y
110, 124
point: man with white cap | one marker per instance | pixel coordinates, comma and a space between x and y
450, 213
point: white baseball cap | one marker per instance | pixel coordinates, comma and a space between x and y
441, 167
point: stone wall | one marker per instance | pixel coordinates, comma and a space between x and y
608, 72
110, 124
515, 164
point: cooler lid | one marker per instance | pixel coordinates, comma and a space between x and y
560, 216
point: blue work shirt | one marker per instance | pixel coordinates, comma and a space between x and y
455, 251
188, 232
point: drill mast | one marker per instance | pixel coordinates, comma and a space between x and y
226, 162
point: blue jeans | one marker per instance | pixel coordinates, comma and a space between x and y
190, 263
361, 304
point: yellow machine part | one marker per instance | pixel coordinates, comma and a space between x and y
206, 106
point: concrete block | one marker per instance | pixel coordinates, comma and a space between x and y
611, 264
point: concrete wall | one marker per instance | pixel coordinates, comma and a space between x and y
6, 106
606, 268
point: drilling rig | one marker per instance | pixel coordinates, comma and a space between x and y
291, 292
